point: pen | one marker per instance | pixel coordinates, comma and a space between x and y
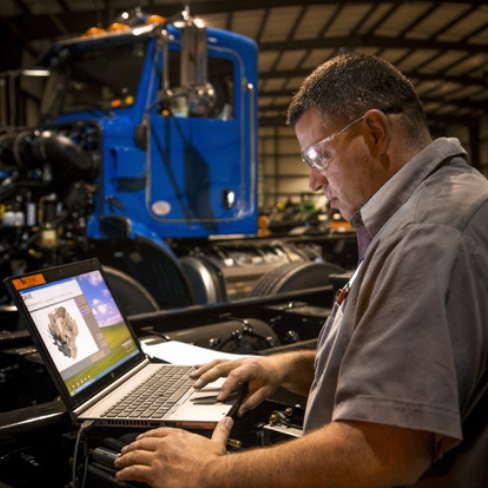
210, 399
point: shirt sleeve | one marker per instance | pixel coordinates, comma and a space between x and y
414, 354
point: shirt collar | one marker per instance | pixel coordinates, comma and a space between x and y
396, 191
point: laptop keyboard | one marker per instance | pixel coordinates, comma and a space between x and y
156, 396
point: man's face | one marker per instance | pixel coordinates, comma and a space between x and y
351, 177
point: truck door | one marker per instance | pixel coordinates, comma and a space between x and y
200, 165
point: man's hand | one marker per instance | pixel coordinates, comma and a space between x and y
168, 457
338, 455
263, 374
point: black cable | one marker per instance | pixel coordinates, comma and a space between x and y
85, 472
86, 425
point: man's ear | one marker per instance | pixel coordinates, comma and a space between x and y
379, 129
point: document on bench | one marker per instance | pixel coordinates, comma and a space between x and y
177, 352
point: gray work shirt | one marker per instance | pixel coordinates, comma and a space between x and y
413, 340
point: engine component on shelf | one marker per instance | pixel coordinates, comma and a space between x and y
295, 276
238, 335
231, 270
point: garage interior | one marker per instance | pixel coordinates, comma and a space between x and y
441, 46
230, 296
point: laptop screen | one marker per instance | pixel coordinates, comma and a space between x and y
80, 325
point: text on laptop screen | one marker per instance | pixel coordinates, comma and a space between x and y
81, 325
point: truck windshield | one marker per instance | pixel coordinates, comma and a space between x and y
92, 76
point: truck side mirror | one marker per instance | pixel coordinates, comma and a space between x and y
193, 69
140, 136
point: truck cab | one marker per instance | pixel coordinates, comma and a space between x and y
145, 156
147, 131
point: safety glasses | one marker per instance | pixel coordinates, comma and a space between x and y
319, 156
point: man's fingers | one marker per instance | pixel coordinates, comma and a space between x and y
203, 368
210, 372
134, 473
141, 444
222, 431
235, 371
159, 432
253, 400
242, 374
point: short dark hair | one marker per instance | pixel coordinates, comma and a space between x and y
348, 85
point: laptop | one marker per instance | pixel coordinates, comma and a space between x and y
95, 359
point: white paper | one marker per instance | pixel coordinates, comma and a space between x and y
176, 352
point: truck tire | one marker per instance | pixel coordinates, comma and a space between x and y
206, 281
295, 276
149, 264
130, 295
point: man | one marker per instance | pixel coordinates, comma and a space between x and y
399, 365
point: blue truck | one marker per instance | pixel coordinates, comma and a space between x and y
144, 152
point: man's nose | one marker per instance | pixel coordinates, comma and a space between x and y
317, 181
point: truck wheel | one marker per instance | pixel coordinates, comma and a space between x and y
150, 264
131, 296
295, 276
205, 278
